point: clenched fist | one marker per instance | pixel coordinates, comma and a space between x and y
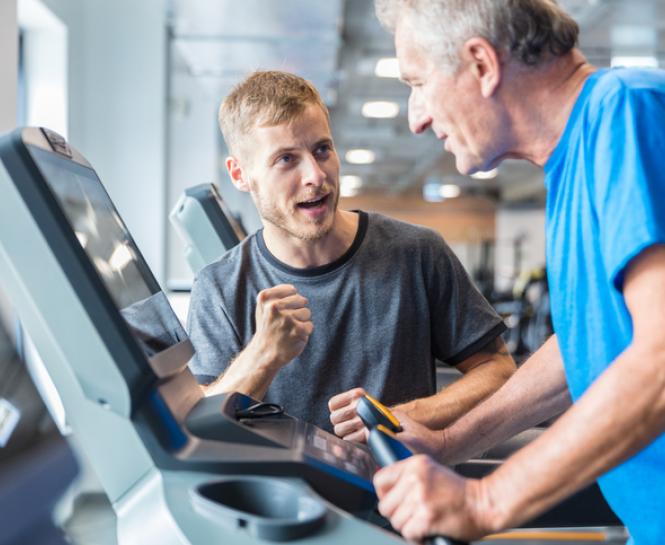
283, 324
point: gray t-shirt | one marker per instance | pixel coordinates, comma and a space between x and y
395, 302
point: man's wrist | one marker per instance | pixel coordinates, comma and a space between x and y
262, 356
452, 446
408, 408
486, 506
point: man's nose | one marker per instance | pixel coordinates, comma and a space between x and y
313, 173
419, 119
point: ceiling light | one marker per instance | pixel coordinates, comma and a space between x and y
432, 192
436, 192
349, 185
387, 67
381, 109
450, 191
360, 156
485, 174
346, 193
634, 62
351, 181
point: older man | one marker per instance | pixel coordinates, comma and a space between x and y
322, 303
497, 79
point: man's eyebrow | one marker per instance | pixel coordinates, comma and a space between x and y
280, 151
326, 140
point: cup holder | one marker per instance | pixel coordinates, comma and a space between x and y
268, 508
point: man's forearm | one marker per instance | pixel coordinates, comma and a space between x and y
457, 399
536, 392
250, 373
622, 411
483, 373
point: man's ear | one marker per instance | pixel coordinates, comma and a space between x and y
485, 64
237, 174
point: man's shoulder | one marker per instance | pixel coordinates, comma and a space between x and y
391, 238
401, 231
615, 84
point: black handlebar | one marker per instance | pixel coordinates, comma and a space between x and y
387, 449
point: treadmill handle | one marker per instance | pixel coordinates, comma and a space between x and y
387, 449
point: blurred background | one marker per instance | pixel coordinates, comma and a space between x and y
135, 86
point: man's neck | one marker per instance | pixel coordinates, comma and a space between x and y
542, 105
304, 254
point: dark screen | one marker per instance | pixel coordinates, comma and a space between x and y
107, 242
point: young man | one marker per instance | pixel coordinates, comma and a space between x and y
495, 80
324, 304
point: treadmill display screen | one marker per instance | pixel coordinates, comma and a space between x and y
107, 242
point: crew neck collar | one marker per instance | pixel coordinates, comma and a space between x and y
321, 269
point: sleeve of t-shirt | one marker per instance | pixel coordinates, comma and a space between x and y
215, 339
463, 322
629, 181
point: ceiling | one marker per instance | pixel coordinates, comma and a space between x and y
336, 45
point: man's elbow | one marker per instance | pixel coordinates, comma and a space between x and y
503, 367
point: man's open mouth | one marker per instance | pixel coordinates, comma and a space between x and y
313, 203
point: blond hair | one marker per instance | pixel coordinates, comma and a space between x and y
264, 99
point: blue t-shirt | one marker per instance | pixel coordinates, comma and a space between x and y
606, 204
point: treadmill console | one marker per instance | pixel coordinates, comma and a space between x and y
240, 424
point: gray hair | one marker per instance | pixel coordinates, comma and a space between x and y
528, 31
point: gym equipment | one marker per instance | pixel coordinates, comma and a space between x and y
387, 449
178, 468
373, 413
36, 463
206, 233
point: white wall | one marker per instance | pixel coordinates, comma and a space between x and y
44, 66
192, 156
196, 156
511, 224
8, 64
117, 107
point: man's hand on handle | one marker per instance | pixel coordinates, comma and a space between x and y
422, 498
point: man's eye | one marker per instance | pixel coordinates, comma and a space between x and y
324, 149
285, 159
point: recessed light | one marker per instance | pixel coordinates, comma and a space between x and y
450, 191
381, 109
646, 61
349, 185
387, 67
485, 174
432, 192
360, 156
351, 181
436, 192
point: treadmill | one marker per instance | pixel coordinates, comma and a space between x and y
37, 465
206, 225
177, 467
